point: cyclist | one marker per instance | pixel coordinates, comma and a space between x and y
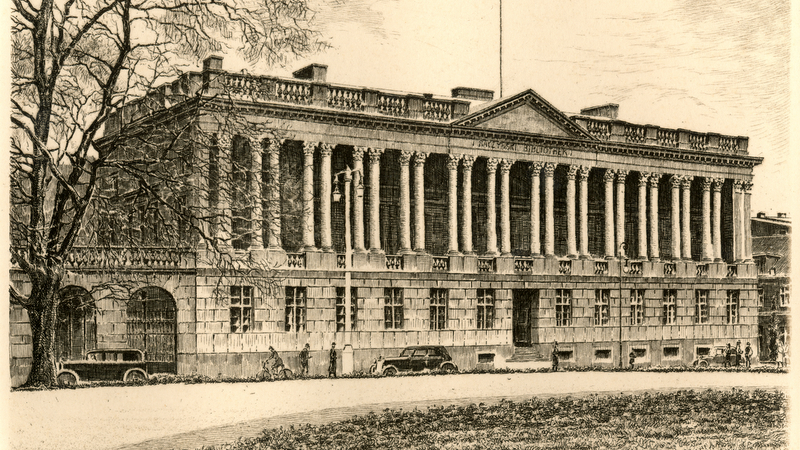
277, 363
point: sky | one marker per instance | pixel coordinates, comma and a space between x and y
701, 65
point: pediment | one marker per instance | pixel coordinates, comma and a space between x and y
526, 112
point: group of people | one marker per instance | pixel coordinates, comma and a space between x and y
305, 355
735, 356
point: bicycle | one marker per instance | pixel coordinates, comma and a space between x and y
279, 372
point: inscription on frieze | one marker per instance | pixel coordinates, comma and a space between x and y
520, 148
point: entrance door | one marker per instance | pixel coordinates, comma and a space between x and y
152, 325
523, 300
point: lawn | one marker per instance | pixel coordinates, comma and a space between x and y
731, 419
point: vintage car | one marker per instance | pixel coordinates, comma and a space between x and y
416, 359
715, 358
124, 364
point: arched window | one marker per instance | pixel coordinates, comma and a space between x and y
76, 326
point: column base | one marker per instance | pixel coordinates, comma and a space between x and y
550, 256
310, 248
572, 256
609, 257
717, 260
469, 253
585, 257
506, 254
376, 251
327, 249
453, 253
420, 251
405, 251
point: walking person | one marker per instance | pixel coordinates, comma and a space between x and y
738, 353
555, 356
332, 364
748, 353
631, 360
728, 356
304, 357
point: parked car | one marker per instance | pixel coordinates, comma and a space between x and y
124, 364
715, 358
416, 359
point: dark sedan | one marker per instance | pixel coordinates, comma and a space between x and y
417, 359
125, 364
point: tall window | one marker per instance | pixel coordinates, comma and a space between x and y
701, 306
240, 195
295, 308
485, 308
670, 296
241, 305
732, 307
340, 309
783, 296
601, 300
563, 307
393, 308
438, 309
637, 306
760, 297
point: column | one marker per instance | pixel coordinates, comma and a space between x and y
536, 245
738, 223
358, 200
419, 201
466, 205
716, 216
654, 251
748, 234
405, 203
620, 225
643, 180
223, 231
275, 194
375, 199
491, 231
708, 250
584, 194
686, 193
325, 151
549, 215
257, 213
308, 195
505, 207
608, 180
572, 248
675, 219
452, 203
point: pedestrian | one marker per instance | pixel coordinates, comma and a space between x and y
332, 364
631, 359
781, 354
738, 353
304, 357
728, 356
555, 356
748, 353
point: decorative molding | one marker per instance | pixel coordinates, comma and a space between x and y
468, 161
572, 171
419, 158
687, 181
644, 178
609, 175
717, 184
309, 147
549, 169
358, 154
655, 177
584, 172
622, 174
706, 183
491, 165
452, 161
675, 181
405, 157
326, 149
505, 165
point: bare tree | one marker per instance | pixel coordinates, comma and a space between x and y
75, 63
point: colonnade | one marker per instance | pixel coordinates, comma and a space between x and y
577, 206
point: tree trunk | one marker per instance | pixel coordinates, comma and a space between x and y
42, 318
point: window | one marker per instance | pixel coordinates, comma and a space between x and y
637, 306
639, 353
601, 306
760, 297
702, 351
784, 296
241, 189
241, 304
485, 358
565, 355
485, 308
669, 306
563, 307
393, 308
701, 306
340, 309
438, 309
732, 306
604, 354
671, 352
295, 309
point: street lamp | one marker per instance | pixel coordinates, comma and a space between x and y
623, 247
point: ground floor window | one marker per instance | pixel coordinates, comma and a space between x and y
732, 307
701, 306
563, 307
485, 308
241, 308
295, 309
438, 309
341, 317
670, 296
601, 300
393, 308
637, 306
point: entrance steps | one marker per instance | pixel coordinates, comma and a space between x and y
527, 354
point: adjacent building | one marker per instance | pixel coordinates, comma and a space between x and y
494, 227
772, 255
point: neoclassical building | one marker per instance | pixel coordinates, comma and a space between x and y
494, 227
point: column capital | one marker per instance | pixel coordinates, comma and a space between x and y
257, 142
675, 181
717, 184
622, 174
405, 157
687, 181
655, 177
747, 186
608, 175
644, 178
375, 154
505, 165
706, 184
467, 161
224, 140
549, 169
309, 147
491, 165
452, 161
326, 149
584, 172
275, 145
536, 168
572, 171
358, 154
419, 159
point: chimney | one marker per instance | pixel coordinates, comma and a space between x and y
466, 93
781, 215
212, 63
313, 72
609, 110
761, 215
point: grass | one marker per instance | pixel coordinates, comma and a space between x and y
734, 419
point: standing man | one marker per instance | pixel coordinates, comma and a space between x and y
631, 359
555, 356
748, 353
728, 356
332, 364
304, 357
738, 353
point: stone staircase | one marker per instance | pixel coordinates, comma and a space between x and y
527, 354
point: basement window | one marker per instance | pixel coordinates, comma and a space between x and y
565, 355
640, 352
671, 352
485, 358
702, 351
602, 355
